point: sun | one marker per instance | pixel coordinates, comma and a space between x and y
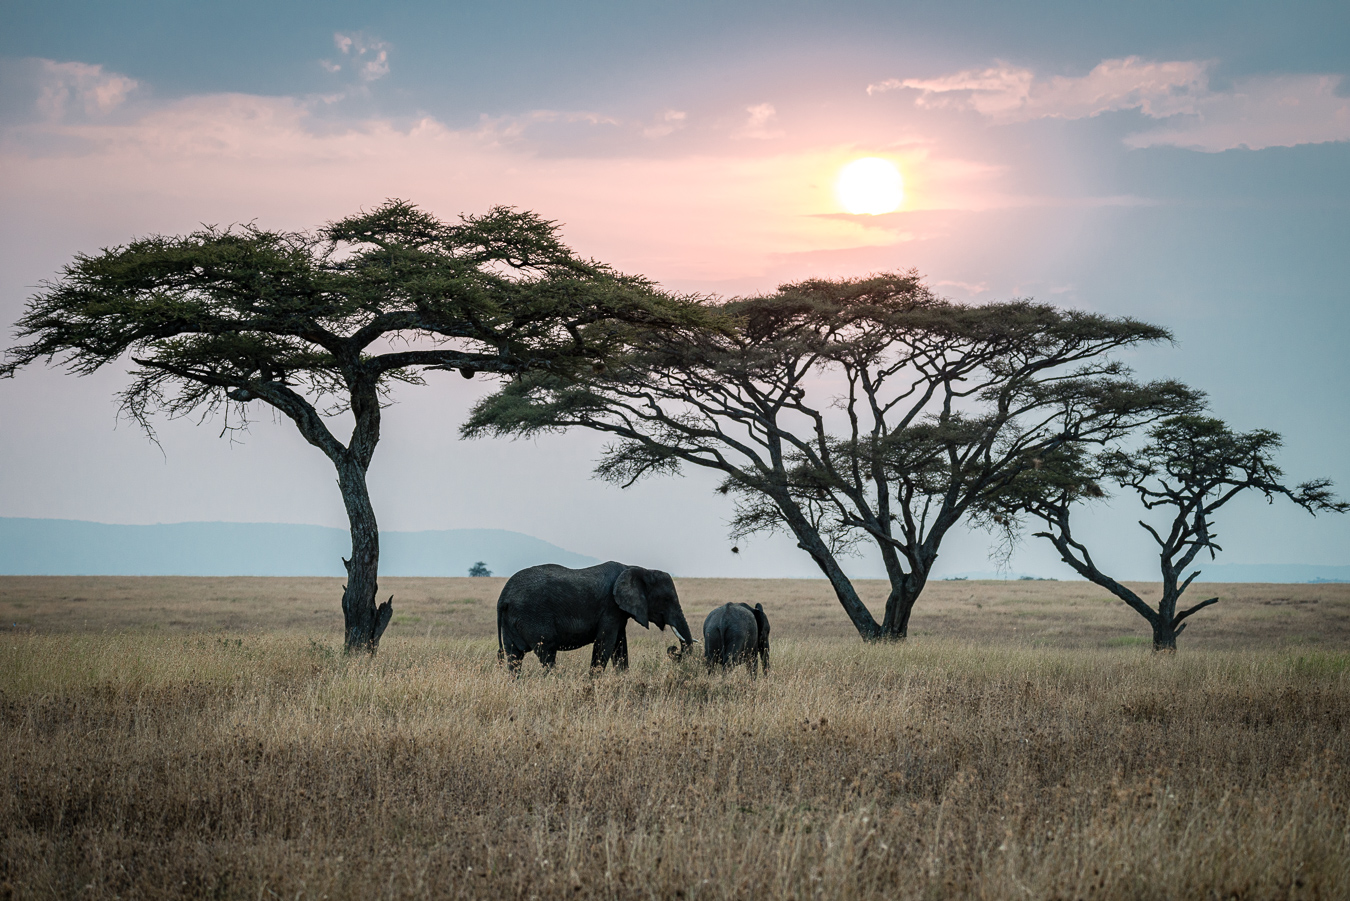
870, 186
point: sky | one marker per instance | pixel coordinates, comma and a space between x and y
1183, 163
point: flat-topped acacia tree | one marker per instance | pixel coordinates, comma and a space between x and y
851, 411
1188, 468
321, 324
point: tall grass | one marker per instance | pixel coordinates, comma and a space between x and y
201, 766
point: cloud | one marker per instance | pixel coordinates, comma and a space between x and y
510, 129
708, 205
87, 86
758, 123
1260, 111
52, 91
670, 122
573, 133
968, 287
367, 57
1012, 94
1271, 111
236, 157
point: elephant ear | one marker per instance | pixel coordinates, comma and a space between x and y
762, 621
630, 593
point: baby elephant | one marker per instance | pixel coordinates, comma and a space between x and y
734, 634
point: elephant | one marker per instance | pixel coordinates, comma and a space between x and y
550, 608
735, 634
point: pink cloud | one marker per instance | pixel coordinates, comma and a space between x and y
710, 207
669, 122
759, 123
713, 212
79, 87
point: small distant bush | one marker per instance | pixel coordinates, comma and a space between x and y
479, 569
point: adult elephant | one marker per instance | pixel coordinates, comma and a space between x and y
734, 634
550, 608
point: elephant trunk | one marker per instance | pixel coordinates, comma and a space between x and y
680, 627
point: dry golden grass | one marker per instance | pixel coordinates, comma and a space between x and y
1044, 614
239, 755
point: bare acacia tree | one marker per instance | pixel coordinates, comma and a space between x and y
851, 411
317, 325
1190, 466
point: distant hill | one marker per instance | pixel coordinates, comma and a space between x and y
1272, 572
66, 547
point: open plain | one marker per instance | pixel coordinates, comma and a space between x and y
205, 738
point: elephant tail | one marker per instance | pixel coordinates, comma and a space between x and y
501, 643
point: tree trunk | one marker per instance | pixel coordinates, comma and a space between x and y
364, 621
809, 540
848, 598
1165, 636
1168, 624
900, 604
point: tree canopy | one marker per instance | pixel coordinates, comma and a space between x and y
320, 324
851, 411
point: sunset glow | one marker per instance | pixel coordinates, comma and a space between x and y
870, 186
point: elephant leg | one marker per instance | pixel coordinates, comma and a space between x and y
621, 652
605, 645
512, 653
547, 654
713, 655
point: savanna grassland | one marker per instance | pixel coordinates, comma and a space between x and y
205, 738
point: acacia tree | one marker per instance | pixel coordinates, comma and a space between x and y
1190, 466
851, 411
322, 324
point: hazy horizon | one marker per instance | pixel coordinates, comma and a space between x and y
68, 547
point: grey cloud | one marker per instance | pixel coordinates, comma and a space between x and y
1259, 111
